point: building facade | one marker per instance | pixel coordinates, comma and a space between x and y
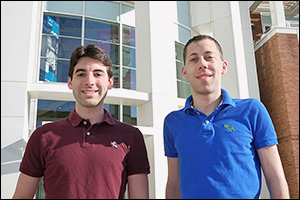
145, 40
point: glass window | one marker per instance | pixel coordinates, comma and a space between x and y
103, 9
62, 25
129, 78
129, 36
184, 89
183, 13
74, 7
62, 33
130, 114
102, 31
183, 86
129, 57
184, 34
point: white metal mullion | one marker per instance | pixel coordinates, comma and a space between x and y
121, 59
121, 48
83, 23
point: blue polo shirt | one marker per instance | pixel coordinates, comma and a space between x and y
218, 153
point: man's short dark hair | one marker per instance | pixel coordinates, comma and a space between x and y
91, 51
199, 38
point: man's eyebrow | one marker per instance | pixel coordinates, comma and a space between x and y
196, 54
83, 70
79, 70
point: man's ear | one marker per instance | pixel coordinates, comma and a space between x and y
111, 83
70, 83
224, 67
183, 72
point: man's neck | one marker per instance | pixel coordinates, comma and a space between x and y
207, 103
93, 114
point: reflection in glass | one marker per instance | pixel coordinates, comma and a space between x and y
68, 26
52, 110
183, 89
129, 36
129, 78
184, 34
183, 13
74, 7
58, 48
53, 70
114, 110
179, 51
116, 76
102, 31
178, 71
103, 9
130, 114
129, 57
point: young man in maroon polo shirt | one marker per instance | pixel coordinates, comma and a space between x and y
88, 155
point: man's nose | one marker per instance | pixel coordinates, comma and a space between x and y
90, 80
202, 63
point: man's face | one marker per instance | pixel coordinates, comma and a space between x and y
90, 83
204, 67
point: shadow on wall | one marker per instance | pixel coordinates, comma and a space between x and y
11, 156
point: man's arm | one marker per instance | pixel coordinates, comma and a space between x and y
26, 187
273, 171
173, 188
138, 186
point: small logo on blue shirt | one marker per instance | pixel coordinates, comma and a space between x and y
229, 128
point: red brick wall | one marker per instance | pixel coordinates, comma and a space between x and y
257, 28
277, 63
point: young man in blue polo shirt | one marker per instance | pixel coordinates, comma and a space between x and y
217, 145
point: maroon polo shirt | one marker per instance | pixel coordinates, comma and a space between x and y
80, 161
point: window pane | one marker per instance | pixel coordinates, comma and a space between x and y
129, 79
114, 110
74, 7
103, 9
178, 71
103, 31
129, 57
58, 48
128, 15
184, 34
130, 114
183, 90
62, 25
116, 76
48, 70
52, 70
112, 50
129, 36
179, 51
52, 110
183, 12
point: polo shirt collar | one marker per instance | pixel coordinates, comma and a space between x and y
227, 100
75, 119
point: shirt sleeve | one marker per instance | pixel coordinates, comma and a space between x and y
138, 159
169, 146
32, 162
263, 128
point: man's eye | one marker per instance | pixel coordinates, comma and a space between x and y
98, 74
80, 74
209, 57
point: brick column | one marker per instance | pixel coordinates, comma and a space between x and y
277, 62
